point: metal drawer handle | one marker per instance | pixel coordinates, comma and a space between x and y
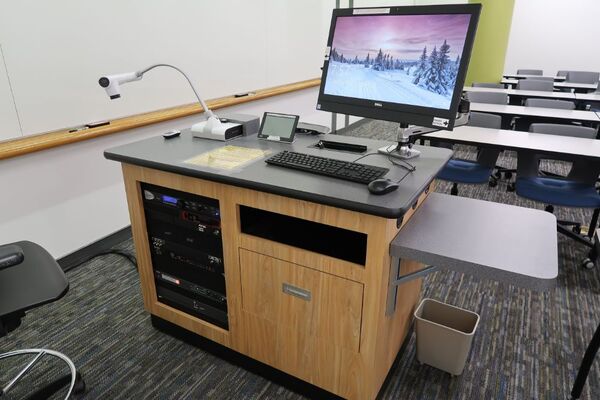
296, 291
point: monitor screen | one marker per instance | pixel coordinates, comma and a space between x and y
399, 59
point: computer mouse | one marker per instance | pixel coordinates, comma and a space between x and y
382, 186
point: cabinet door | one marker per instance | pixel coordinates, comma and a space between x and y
297, 319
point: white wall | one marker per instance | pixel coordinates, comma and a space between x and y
55, 52
68, 197
554, 35
9, 123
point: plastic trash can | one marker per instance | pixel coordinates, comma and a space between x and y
444, 335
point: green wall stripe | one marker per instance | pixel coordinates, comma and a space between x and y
491, 41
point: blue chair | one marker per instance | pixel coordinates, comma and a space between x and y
480, 170
577, 189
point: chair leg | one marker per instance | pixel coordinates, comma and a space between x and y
593, 223
586, 364
454, 190
39, 353
573, 235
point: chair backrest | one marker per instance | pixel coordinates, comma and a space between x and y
533, 84
549, 103
583, 171
488, 85
583, 77
486, 156
530, 72
487, 97
563, 130
485, 120
540, 78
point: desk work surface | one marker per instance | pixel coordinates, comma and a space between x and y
588, 96
515, 245
525, 93
574, 115
169, 155
524, 76
564, 85
517, 140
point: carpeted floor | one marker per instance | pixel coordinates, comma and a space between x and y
528, 345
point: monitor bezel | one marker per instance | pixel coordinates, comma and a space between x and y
396, 112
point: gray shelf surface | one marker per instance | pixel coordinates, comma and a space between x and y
489, 240
169, 155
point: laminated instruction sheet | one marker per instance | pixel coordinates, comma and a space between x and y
227, 157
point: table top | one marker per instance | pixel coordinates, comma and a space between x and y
169, 155
573, 115
524, 76
464, 235
573, 85
517, 140
588, 96
565, 85
37, 280
525, 93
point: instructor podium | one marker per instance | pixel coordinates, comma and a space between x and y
308, 285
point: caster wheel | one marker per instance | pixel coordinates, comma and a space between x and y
510, 187
549, 209
79, 387
497, 175
507, 175
588, 264
454, 190
493, 183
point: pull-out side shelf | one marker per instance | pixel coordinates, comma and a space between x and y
493, 241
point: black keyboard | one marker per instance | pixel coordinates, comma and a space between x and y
349, 171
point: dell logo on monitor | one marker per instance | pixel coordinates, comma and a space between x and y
378, 104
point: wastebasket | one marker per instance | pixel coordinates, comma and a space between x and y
444, 335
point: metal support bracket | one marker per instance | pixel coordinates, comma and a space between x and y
396, 281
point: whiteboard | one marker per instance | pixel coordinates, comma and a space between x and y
56, 51
9, 123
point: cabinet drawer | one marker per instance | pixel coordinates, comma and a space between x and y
303, 306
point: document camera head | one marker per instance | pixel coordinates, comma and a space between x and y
112, 83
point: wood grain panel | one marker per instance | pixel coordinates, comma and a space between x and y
306, 338
343, 341
43, 141
333, 312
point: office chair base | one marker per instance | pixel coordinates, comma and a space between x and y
74, 379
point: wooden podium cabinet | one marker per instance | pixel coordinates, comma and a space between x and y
307, 283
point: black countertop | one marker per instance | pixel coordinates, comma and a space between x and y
169, 155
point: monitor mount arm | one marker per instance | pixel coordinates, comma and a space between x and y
407, 135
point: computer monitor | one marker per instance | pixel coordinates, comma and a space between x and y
401, 64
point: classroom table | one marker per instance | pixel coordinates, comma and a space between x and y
525, 93
559, 115
524, 76
581, 87
588, 96
503, 139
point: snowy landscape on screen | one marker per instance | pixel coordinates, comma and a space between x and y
408, 59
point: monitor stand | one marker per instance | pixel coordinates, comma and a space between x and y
402, 149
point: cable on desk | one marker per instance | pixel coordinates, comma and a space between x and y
408, 166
